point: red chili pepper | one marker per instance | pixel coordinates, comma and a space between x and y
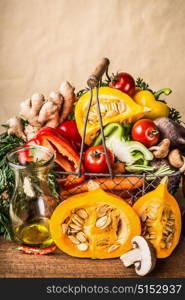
24, 155
38, 251
66, 156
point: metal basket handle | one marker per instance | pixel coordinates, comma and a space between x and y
96, 76
94, 82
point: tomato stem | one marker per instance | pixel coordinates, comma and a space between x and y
153, 132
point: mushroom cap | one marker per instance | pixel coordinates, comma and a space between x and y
147, 260
175, 158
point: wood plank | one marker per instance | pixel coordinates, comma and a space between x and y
14, 264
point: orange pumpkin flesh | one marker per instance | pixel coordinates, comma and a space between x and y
160, 218
111, 241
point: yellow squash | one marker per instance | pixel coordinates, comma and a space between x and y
94, 224
161, 219
115, 106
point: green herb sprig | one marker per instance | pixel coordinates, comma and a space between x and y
7, 181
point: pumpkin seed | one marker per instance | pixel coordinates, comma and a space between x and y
113, 248
73, 231
74, 240
169, 229
103, 222
166, 213
82, 213
76, 227
168, 245
121, 107
77, 220
165, 233
64, 228
102, 210
82, 246
81, 237
152, 215
170, 222
170, 237
114, 106
144, 218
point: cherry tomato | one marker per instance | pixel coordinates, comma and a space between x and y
145, 132
95, 159
123, 82
70, 131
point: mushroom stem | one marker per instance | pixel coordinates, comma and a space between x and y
131, 257
142, 256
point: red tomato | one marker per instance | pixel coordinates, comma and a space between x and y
145, 132
95, 160
123, 82
70, 131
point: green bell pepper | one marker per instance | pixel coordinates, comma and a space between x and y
126, 151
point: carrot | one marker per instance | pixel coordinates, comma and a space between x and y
119, 168
115, 184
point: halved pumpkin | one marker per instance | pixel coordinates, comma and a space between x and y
160, 218
94, 224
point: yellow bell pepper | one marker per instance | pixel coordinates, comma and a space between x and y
115, 106
147, 99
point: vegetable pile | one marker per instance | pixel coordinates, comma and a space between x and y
142, 135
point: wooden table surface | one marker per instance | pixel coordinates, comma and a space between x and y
14, 264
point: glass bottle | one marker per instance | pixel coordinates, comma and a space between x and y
32, 202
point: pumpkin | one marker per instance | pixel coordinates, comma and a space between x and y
160, 218
115, 106
94, 224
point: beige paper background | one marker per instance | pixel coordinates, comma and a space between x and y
43, 42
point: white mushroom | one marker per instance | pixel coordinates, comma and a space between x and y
142, 256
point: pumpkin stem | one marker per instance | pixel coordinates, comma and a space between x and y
92, 185
164, 180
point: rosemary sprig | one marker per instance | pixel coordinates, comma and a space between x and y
54, 186
175, 115
7, 181
140, 83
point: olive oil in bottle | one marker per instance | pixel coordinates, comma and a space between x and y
35, 234
33, 202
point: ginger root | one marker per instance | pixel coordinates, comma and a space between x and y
30, 131
39, 112
16, 127
49, 114
67, 90
30, 109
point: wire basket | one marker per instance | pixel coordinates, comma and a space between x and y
127, 186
